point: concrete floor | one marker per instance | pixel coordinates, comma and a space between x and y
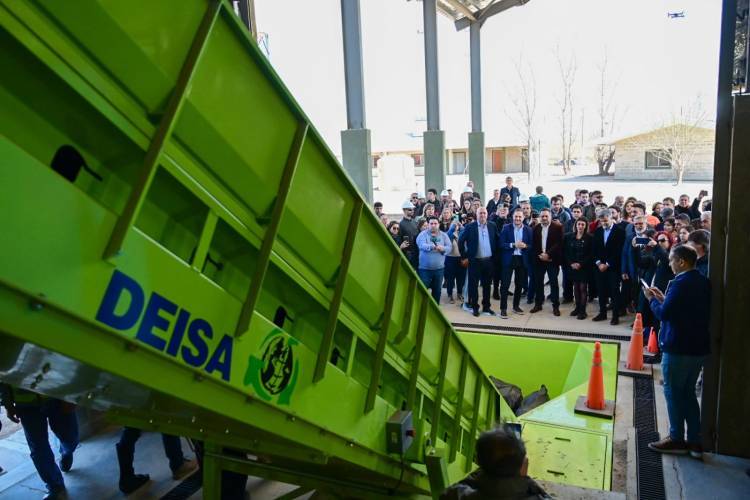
95, 472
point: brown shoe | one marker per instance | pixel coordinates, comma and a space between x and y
666, 445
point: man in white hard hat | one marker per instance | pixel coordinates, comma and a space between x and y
444, 198
408, 231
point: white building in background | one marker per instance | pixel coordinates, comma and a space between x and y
638, 157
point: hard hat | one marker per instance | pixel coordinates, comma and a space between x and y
444, 192
407, 204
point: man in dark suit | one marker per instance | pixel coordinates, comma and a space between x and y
546, 259
684, 312
478, 242
510, 190
607, 246
515, 245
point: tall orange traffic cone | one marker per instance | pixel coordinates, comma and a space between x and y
595, 397
594, 404
635, 354
653, 346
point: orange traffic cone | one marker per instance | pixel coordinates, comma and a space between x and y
594, 404
635, 354
653, 346
595, 397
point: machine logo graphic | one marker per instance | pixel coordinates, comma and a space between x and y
274, 373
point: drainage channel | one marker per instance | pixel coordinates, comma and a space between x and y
649, 466
559, 333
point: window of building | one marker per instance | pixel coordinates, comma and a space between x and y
418, 159
658, 158
524, 159
459, 162
498, 160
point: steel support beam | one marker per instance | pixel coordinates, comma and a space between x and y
355, 141
476, 137
719, 210
433, 139
476, 77
429, 12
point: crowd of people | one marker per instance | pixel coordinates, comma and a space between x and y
626, 255
589, 249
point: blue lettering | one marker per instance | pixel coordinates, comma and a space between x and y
224, 349
117, 285
178, 332
151, 320
194, 336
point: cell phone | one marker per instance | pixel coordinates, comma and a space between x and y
455, 218
641, 240
516, 428
406, 239
645, 285
704, 192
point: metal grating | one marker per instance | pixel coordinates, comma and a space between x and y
649, 466
186, 488
561, 333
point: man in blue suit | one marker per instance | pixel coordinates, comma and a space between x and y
515, 245
684, 313
477, 243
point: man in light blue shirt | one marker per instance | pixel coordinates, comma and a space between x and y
433, 246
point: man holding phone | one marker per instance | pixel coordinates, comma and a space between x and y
684, 312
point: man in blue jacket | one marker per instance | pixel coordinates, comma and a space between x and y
515, 245
684, 340
477, 243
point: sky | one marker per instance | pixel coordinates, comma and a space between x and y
657, 64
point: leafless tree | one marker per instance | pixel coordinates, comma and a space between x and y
523, 107
566, 107
608, 115
678, 138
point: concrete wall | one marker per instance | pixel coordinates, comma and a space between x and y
630, 160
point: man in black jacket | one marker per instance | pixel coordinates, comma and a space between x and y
546, 259
692, 210
478, 242
608, 243
502, 473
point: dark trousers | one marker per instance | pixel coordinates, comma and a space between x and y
516, 268
480, 270
172, 447
541, 270
626, 292
531, 285
608, 287
567, 283
455, 275
62, 420
497, 272
580, 289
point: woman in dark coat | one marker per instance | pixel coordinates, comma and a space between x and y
578, 258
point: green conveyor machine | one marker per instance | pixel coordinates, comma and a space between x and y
182, 250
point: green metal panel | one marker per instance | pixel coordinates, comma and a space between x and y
209, 168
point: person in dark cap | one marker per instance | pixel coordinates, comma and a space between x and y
502, 473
